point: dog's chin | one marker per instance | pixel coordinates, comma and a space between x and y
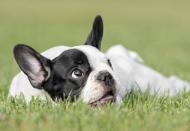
108, 97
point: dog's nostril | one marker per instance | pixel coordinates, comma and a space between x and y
106, 77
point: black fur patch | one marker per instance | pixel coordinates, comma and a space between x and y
61, 84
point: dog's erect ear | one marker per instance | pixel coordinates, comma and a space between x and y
96, 34
34, 65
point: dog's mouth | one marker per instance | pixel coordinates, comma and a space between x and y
106, 98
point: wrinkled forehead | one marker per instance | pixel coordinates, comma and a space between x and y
95, 57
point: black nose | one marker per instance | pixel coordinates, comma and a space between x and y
106, 77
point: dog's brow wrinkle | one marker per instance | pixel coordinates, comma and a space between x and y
79, 62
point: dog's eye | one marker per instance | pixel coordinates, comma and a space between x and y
77, 74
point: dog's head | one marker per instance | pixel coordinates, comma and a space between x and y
81, 72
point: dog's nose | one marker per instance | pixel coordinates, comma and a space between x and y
106, 77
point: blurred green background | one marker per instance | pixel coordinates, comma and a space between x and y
158, 30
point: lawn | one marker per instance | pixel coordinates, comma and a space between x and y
158, 30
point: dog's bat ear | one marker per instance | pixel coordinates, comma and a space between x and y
96, 34
34, 65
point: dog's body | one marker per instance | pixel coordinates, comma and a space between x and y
124, 73
134, 75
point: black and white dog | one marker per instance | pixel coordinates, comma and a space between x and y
85, 73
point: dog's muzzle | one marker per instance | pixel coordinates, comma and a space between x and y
107, 80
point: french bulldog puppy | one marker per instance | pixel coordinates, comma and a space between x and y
85, 73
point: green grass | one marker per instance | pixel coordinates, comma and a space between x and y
158, 30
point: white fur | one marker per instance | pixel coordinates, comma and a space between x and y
129, 73
134, 75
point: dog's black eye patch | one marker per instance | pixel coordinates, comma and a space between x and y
109, 63
70, 71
